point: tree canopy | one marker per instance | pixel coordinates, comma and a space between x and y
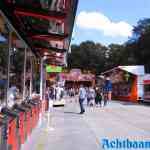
88, 55
98, 58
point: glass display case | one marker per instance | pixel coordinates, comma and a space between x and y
32, 75
3, 58
147, 90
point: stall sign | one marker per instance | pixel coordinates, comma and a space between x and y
54, 69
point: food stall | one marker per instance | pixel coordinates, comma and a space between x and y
32, 34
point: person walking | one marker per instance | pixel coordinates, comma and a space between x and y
92, 96
82, 97
88, 96
107, 90
98, 97
50, 98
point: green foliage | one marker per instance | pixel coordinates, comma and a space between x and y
138, 47
88, 55
115, 56
95, 56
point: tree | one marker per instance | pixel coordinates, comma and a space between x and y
88, 55
138, 47
95, 56
114, 56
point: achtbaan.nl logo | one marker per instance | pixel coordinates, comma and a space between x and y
125, 144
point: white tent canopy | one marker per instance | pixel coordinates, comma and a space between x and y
136, 70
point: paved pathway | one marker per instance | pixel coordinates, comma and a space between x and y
85, 132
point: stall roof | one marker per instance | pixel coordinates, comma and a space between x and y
77, 75
136, 70
44, 25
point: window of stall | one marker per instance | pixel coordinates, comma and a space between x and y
16, 70
3, 59
147, 89
27, 74
32, 83
36, 74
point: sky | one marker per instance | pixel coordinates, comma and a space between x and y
2, 39
108, 21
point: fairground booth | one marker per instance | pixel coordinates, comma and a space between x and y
75, 77
33, 33
130, 83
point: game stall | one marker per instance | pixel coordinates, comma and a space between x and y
130, 83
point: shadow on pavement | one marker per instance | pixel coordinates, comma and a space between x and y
69, 112
133, 103
129, 103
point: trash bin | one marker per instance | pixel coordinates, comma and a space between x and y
43, 106
46, 105
33, 113
36, 105
13, 128
22, 128
40, 106
3, 132
27, 120
29, 117
10, 131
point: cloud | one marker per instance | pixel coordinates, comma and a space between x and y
98, 21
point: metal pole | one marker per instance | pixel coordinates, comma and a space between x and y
41, 79
24, 76
44, 80
31, 76
41, 89
8, 68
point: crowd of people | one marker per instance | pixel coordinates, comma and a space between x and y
55, 92
94, 96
